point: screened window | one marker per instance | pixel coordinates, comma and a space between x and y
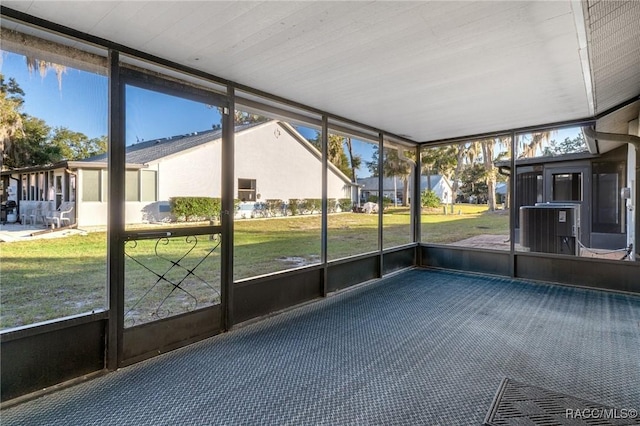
464, 193
247, 189
148, 185
607, 204
69, 274
567, 187
132, 189
157, 121
91, 187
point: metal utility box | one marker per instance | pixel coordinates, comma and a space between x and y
551, 228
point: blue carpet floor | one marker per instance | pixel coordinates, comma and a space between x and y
421, 347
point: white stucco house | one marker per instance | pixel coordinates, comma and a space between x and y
273, 162
393, 188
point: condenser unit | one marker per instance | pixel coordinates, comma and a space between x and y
550, 228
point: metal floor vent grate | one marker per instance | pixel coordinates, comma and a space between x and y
519, 404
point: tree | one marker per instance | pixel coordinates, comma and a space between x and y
490, 170
37, 146
24, 138
354, 160
392, 166
474, 183
441, 160
335, 154
531, 146
76, 145
568, 146
429, 198
29, 141
503, 142
242, 117
11, 123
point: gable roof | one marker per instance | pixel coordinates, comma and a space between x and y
148, 151
140, 154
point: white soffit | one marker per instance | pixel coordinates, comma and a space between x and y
427, 69
615, 51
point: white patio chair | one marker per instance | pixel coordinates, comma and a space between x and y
37, 214
27, 214
60, 217
46, 209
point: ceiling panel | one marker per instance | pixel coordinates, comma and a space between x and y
425, 69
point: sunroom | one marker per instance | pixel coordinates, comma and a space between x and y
392, 309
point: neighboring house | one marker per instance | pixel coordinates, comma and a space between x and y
440, 185
501, 192
273, 161
393, 187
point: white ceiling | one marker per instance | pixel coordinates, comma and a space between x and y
428, 70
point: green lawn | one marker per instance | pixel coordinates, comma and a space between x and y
47, 279
468, 220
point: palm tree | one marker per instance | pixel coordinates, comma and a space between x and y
397, 166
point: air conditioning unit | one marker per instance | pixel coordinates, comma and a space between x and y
550, 228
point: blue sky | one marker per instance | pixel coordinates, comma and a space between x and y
80, 104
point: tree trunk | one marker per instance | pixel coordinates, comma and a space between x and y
353, 169
487, 157
405, 190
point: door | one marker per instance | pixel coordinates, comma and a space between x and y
58, 189
571, 184
172, 207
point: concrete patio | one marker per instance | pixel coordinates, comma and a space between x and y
12, 232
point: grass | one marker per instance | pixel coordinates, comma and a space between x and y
47, 279
468, 220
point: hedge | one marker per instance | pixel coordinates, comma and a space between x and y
195, 208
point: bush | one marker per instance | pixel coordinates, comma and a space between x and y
311, 205
429, 198
293, 206
345, 204
274, 207
195, 208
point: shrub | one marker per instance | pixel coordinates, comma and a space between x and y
195, 208
293, 206
311, 205
274, 206
345, 204
429, 198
